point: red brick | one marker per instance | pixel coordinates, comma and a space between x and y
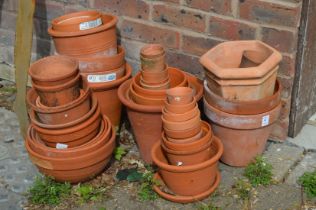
217, 6
287, 84
266, 12
287, 66
286, 108
197, 45
179, 17
48, 9
280, 130
284, 41
186, 63
231, 29
149, 34
132, 8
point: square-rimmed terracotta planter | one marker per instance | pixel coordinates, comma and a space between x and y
241, 70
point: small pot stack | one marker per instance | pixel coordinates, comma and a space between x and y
242, 97
66, 123
188, 154
144, 95
90, 37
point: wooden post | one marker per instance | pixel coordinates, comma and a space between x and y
22, 57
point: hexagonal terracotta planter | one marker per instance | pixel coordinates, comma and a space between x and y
241, 70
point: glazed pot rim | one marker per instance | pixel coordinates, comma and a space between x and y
49, 58
57, 87
195, 167
100, 28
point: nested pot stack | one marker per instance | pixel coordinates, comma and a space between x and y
90, 37
242, 97
188, 153
144, 96
65, 123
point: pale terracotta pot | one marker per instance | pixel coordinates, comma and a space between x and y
180, 95
179, 108
183, 134
152, 57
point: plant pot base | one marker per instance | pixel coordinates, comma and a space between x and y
185, 199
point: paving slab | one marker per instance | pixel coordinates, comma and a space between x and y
306, 138
282, 157
229, 176
308, 164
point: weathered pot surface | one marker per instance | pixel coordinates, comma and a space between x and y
152, 57
180, 95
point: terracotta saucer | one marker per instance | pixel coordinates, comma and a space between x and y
185, 199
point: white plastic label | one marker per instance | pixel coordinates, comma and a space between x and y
265, 120
101, 78
90, 24
61, 146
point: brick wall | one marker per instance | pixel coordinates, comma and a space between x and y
187, 28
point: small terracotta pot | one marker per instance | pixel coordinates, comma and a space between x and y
59, 114
188, 180
143, 100
181, 117
78, 168
101, 40
107, 96
152, 57
180, 95
244, 136
243, 107
180, 126
162, 86
97, 63
179, 108
185, 140
75, 135
155, 77
76, 21
183, 134
59, 95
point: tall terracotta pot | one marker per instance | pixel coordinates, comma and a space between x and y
243, 136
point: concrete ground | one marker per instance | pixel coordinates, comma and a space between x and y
289, 160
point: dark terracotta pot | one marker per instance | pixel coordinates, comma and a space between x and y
180, 95
152, 57
155, 77
60, 114
181, 117
78, 168
243, 107
77, 21
243, 136
180, 126
101, 40
101, 62
59, 95
71, 135
107, 96
188, 180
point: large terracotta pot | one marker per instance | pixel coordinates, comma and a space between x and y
107, 95
188, 180
77, 168
101, 40
152, 57
67, 113
146, 120
243, 136
241, 70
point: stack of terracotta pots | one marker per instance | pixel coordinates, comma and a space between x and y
144, 96
242, 97
68, 138
188, 154
90, 37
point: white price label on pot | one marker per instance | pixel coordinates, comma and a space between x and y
90, 24
101, 78
61, 146
265, 120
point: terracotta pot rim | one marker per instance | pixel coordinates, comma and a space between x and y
182, 198
164, 85
118, 70
179, 117
179, 106
176, 169
179, 91
156, 47
103, 27
57, 87
147, 101
60, 58
180, 125
120, 52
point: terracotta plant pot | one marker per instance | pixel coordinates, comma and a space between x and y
60, 114
89, 64
160, 86
181, 117
69, 134
180, 108
188, 180
183, 134
152, 57
242, 70
243, 107
53, 70
180, 95
76, 168
180, 126
185, 140
107, 96
77, 21
101, 40
143, 100
155, 77
59, 95
243, 136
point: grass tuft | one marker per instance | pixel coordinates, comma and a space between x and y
259, 172
308, 181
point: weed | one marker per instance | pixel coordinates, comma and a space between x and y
259, 172
9, 90
204, 206
308, 181
88, 193
119, 152
243, 189
146, 191
46, 191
